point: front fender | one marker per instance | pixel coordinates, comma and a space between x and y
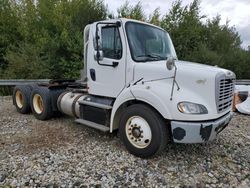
146, 95
140, 93
124, 96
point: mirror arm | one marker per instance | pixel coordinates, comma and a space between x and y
173, 83
114, 64
117, 24
97, 45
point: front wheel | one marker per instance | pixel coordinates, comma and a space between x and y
143, 131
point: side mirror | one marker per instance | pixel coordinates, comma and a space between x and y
98, 40
170, 63
98, 45
98, 55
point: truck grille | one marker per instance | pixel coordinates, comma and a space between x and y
224, 92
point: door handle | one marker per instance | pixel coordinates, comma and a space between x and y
92, 74
115, 63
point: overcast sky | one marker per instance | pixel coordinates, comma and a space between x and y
237, 11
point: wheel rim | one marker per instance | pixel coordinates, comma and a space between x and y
138, 132
38, 104
19, 99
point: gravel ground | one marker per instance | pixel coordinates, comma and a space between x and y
60, 153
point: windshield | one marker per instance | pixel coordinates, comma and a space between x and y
148, 43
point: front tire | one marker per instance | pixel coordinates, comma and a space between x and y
143, 131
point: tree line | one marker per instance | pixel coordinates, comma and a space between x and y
44, 38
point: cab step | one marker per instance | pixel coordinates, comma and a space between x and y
94, 104
92, 125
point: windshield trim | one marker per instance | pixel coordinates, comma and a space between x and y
130, 47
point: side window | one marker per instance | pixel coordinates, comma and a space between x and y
111, 43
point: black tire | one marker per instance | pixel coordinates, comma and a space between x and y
158, 127
21, 98
33, 86
41, 103
54, 96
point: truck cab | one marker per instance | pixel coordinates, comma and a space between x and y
133, 82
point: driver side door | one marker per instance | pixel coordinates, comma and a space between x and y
109, 71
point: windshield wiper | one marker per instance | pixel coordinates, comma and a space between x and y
148, 57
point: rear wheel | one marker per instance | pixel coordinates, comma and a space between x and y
38, 103
21, 98
41, 103
143, 131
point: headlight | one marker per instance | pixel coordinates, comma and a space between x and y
191, 108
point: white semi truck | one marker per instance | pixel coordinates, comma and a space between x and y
133, 82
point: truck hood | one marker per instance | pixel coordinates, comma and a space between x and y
158, 70
197, 66
197, 84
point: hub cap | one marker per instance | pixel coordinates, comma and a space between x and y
19, 99
138, 132
38, 103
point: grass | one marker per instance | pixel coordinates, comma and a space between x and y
6, 90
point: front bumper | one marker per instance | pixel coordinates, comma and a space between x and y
198, 132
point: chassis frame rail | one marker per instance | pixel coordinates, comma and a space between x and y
14, 82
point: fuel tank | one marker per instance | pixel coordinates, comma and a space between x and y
67, 103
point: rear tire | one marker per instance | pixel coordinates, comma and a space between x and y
21, 98
33, 86
41, 103
143, 131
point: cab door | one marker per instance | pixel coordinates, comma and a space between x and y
106, 76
